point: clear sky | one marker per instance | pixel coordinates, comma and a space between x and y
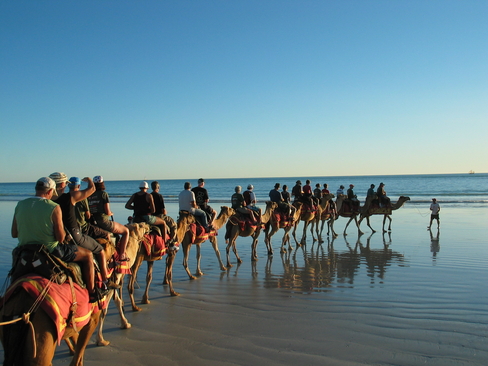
220, 89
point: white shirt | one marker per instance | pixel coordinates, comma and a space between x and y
435, 208
185, 199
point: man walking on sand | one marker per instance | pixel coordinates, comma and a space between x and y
435, 208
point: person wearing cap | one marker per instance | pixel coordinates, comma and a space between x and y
39, 220
71, 220
296, 191
238, 202
371, 191
143, 205
382, 197
202, 199
250, 199
187, 202
434, 215
99, 204
340, 191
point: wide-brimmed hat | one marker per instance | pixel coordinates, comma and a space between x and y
59, 177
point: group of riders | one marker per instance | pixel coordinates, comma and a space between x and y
77, 218
68, 223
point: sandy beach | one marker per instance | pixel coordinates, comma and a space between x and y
408, 298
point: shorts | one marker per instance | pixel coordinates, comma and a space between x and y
65, 252
150, 219
434, 217
85, 241
95, 232
106, 225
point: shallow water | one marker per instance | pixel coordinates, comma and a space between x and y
403, 298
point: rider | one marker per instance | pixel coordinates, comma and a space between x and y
384, 200
276, 196
143, 205
353, 199
187, 202
39, 220
250, 199
296, 191
201, 196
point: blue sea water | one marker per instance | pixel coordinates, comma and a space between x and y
456, 189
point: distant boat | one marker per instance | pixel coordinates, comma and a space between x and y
471, 172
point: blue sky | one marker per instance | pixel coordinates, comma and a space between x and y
183, 89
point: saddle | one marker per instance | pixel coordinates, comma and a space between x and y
243, 220
35, 258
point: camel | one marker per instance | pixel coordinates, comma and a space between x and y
308, 218
369, 210
136, 235
21, 341
325, 216
275, 225
185, 237
235, 230
350, 215
142, 256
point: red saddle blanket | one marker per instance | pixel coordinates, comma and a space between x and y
155, 245
57, 303
243, 221
199, 234
283, 219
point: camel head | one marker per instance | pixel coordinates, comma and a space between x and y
137, 231
271, 205
227, 211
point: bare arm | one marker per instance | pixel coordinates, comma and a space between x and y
58, 226
77, 196
107, 209
130, 203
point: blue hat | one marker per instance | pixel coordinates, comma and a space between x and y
74, 181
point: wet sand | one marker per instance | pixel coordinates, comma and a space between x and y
408, 298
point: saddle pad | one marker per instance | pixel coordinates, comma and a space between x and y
58, 301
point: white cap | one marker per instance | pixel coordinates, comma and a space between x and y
45, 182
143, 184
97, 179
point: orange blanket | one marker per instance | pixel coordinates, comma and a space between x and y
199, 234
58, 301
155, 245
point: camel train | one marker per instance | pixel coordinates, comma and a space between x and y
30, 327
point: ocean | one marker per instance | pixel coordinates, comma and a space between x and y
453, 189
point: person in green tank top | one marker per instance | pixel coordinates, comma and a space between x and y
39, 220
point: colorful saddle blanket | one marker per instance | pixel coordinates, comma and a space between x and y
243, 221
199, 234
282, 218
58, 301
155, 245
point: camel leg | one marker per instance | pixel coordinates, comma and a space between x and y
186, 252
254, 245
367, 222
294, 233
304, 235
389, 223
286, 239
215, 245
168, 275
132, 280
120, 304
83, 339
330, 225
350, 219
199, 258
234, 249
269, 246
149, 277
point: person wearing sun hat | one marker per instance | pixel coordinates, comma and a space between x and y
61, 180
99, 204
39, 220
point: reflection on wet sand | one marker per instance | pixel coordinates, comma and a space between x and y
434, 244
322, 267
